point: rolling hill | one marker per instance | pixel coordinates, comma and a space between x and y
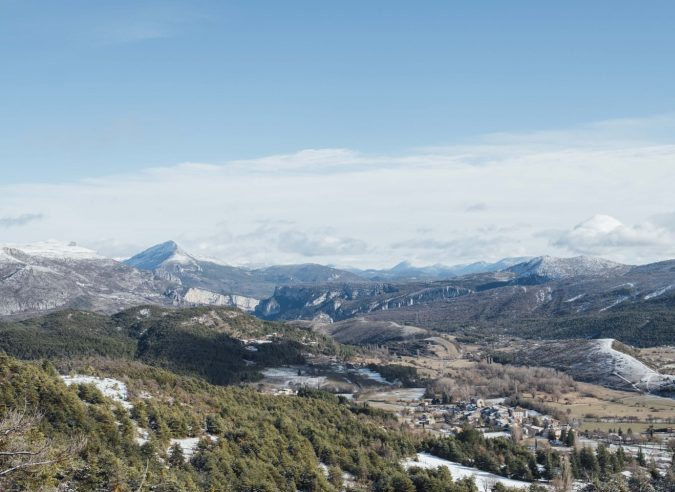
222, 345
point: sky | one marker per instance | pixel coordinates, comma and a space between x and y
352, 133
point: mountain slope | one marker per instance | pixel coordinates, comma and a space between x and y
239, 440
586, 298
405, 271
342, 301
207, 282
602, 361
362, 331
161, 255
52, 275
545, 268
214, 343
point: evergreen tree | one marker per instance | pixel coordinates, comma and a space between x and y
176, 457
570, 439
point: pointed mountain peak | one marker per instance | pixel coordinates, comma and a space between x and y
160, 254
171, 244
404, 265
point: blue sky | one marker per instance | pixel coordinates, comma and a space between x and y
99, 88
347, 132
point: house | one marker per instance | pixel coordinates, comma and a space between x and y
532, 430
518, 414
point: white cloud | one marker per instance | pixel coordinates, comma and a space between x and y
603, 234
344, 207
477, 207
322, 243
18, 220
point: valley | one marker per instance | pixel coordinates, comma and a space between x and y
487, 372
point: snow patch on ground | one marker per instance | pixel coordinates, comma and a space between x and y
544, 295
348, 480
112, 388
495, 435
483, 479
142, 436
631, 370
615, 303
659, 292
53, 250
181, 258
372, 375
189, 444
399, 394
575, 298
288, 376
319, 300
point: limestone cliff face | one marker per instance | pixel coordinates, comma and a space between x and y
195, 296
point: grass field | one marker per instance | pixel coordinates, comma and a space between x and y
591, 403
636, 427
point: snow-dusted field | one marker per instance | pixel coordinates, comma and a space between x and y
288, 376
653, 451
370, 374
458, 471
112, 388
495, 435
399, 394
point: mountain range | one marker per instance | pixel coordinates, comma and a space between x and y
199, 281
51, 276
406, 271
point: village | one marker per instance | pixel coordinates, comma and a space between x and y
494, 417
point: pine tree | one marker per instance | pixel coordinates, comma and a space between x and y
570, 439
176, 457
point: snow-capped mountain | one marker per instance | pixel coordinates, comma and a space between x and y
160, 256
544, 268
541, 288
205, 280
407, 271
52, 275
48, 249
49, 276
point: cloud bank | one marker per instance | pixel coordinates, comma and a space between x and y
603, 189
19, 220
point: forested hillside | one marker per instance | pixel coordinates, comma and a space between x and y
247, 441
214, 343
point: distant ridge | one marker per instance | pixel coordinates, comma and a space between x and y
552, 268
169, 261
407, 271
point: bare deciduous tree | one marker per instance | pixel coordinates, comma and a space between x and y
24, 449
